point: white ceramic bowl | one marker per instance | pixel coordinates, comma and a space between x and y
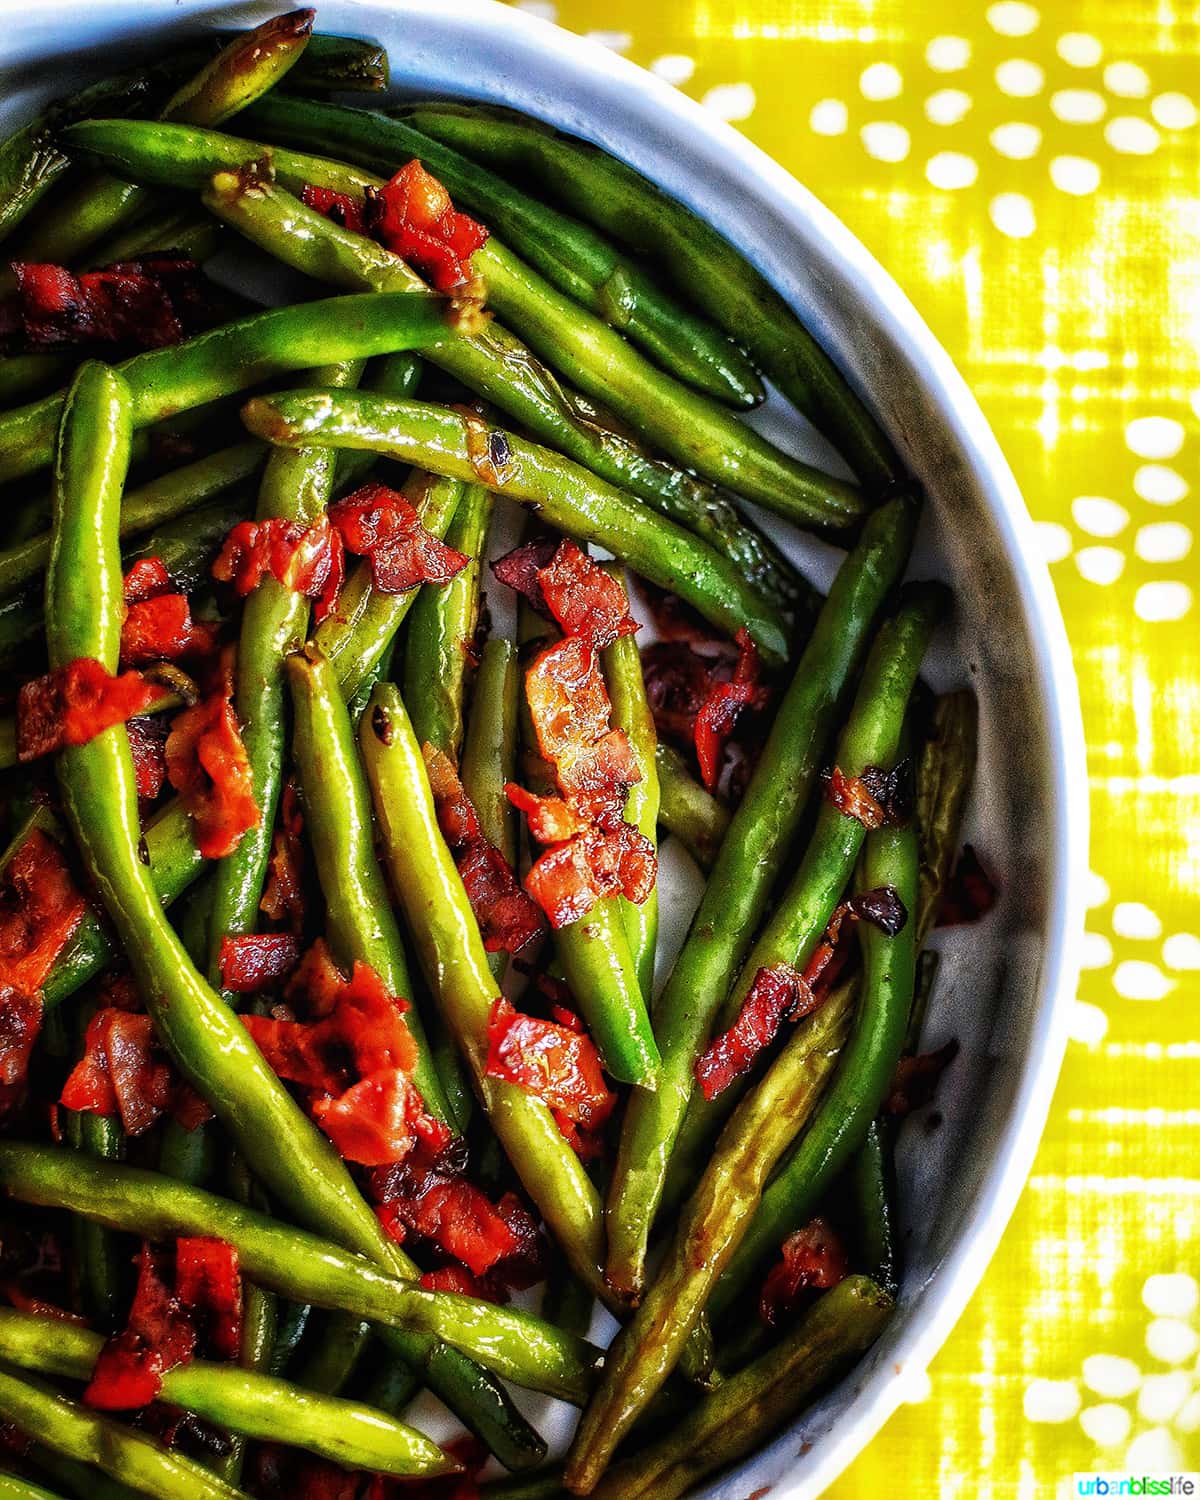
1004, 987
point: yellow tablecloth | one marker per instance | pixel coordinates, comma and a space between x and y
1030, 174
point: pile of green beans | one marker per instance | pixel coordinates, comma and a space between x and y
590, 371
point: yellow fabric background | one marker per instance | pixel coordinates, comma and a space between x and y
1059, 262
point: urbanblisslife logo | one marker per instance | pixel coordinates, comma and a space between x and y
1112, 1486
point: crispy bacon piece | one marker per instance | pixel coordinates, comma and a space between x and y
121, 1071
970, 892
40, 908
145, 304
508, 919
283, 899
414, 217
459, 1279
146, 579
75, 703
255, 961
159, 1335
148, 746
916, 1079
380, 524
551, 820
376, 1121
722, 704
677, 683
309, 560
453, 1214
814, 1257
338, 208
585, 600
556, 1063
519, 569
876, 798
162, 629
568, 879
208, 766
208, 1285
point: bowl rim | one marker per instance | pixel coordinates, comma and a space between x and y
995, 1198
962, 1269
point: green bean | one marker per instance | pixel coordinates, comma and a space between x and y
210, 1046
187, 1155
750, 860
389, 375
631, 712
12, 1487
233, 357
452, 955
288, 1334
258, 1406
85, 1435
298, 1264
687, 810
862, 1081
296, 487
595, 953
341, 1341
567, 1303
391, 1388
149, 505
707, 268
344, 64
492, 363
944, 776
250, 64
748, 1409
490, 750
98, 1261
337, 805
365, 621
571, 256
166, 228
77, 1479
441, 632
24, 375
710, 1229
870, 1186
565, 496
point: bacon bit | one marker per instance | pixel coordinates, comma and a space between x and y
309, 560
677, 682
338, 208
916, 1079
251, 962
550, 819
162, 629
317, 982
586, 601
519, 569
414, 217
488, 449
555, 1063
452, 1214
814, 1257
376, 1121
508, 919
970, 892
568, 879
40, 908
883, 908
723, 703
158, 1336
459, 1279
119, 1071
877, 798
380, 524
146, 304
208, 1285
148, 746
283, 899
146, 580
75, 703
208, 766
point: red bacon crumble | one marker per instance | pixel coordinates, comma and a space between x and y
508, 919
556, 1063
148, 747
162, 629
309, 560
255, 961
459, 1279
550, 820
158, 1336
586, 601
208, 1284
121, 1071
722, 704
338, 208
569, 878
208, 766
144, 304
283, 899
519, 570
382, 525
813, 1258
970, 892
146, 579
877, 798
75, 703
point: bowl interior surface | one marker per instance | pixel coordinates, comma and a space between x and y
1003, 987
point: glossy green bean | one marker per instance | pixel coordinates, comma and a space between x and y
186, 232
258, 1406
13, 1487
945, 771
78, 1479
293, 1321
748, 1409
340, 1341
341, 64
452, 956
388, 375
570, 255
870, 1187
490, 748
84, 1435
686, 810
750, 860
707, 268
364, 622
360, 925
298, 1264
492, 363
98, 1259
710, 1228
441, 632
251, 63
148, 505
564, 495
232, 358
631, 712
